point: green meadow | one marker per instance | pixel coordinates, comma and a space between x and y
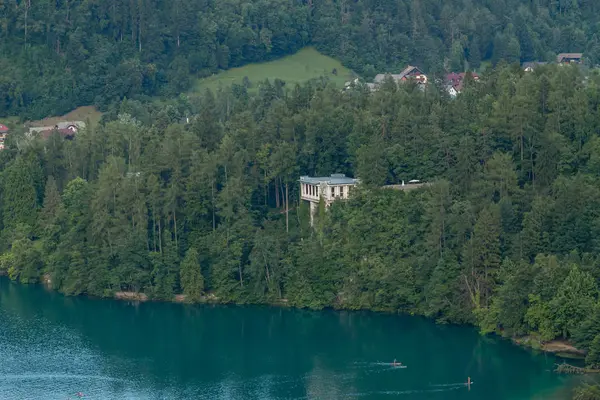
300, 67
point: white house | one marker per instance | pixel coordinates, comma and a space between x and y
455, 82
451, 91
530, 66
72, 126
350, 84
329, 188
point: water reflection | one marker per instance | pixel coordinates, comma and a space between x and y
52, 346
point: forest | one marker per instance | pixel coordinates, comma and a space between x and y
198, 196
505, 238
57, 55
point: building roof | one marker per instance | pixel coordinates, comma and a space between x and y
456, 80
3, 128
410, 70
562, 56
66, 124
349, 83
334, 179
74, 125
406, 72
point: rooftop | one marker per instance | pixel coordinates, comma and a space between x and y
456, 80
568, 56
334, 179
3, 128
73, 125
571, 55
398, 77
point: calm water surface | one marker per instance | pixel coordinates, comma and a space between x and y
53, 346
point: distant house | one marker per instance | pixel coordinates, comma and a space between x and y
530, 66
451, 91
410, 73
3, 133
455, 82
326, 188
357, 83
351, 83
569, 58
72, 126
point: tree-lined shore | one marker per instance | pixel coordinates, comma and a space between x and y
505, 237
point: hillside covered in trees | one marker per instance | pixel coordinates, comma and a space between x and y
506, 237
57, 55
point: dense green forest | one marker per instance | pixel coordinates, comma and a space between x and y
57, 55
505, 238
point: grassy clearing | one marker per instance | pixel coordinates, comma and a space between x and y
78, 114
306, 64
86, 114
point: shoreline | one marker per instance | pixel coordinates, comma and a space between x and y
562, 349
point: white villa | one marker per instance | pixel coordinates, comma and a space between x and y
330, 188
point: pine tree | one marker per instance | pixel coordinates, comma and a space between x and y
19, 197
191, 278
53, 207
482, 257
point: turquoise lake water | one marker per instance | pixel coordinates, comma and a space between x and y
52, 347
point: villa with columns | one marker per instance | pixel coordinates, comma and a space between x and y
329, 188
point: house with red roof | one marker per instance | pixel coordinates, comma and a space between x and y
455, 82
569, 58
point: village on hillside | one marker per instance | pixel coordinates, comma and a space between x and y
452, 82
